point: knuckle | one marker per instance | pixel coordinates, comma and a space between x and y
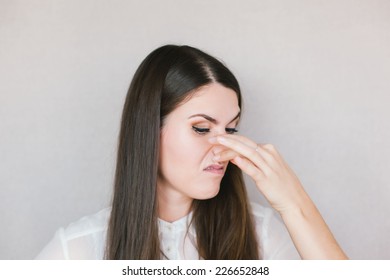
254, 153
257, 177
267, 172
269, 147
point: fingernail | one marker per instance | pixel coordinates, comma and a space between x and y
213, 140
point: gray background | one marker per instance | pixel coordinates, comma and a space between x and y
315, 75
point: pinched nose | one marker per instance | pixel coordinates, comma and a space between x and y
216, 149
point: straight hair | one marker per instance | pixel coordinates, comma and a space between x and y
166, 78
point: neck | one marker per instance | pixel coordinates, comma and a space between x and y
172, 205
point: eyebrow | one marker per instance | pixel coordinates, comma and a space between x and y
212, 120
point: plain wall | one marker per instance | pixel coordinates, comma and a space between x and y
315, 78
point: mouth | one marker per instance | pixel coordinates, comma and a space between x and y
215, 169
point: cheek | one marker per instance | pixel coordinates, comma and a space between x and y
183, 149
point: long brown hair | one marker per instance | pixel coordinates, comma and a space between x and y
224, 226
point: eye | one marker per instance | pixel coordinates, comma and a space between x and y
200, 130
231, 130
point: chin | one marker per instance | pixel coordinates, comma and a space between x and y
208, 193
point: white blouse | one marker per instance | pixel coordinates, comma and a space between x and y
85, 239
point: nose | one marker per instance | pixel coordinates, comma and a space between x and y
217, 149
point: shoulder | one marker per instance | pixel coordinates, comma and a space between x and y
263, 216
82, 239
274, 239
88, 225
262, 212
265, 219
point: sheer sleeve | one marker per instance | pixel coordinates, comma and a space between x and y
274, 240
81, 240
54, 250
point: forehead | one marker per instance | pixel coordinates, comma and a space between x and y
213, 99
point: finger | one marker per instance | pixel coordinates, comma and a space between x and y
267, 151
270, 154
250, 143
249, 168
245, 151
225, 155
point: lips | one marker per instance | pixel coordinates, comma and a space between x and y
215, 168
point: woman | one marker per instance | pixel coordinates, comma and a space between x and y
179, 191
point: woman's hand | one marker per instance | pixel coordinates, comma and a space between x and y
273, 177
282, 189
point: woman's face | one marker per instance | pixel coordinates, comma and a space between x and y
186, 166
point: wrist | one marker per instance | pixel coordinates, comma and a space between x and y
302, 207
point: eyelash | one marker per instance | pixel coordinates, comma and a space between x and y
203, 131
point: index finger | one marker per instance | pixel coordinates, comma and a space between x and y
244, 140
252, 154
